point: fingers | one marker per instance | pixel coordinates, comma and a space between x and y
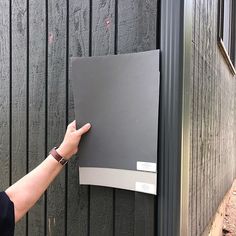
84, 129
72, 125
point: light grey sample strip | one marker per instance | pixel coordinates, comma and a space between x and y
117, 178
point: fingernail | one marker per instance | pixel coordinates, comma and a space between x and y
88, 124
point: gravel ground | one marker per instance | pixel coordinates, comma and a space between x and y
229, 225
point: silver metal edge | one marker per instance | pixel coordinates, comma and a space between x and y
185, 133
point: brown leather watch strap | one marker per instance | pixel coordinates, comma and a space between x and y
58, 157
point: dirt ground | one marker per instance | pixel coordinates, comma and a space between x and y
229, 225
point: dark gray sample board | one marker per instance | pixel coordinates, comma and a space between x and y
119, 96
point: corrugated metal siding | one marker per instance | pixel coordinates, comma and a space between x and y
213, 116
36, 40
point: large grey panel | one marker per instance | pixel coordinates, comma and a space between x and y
119, 95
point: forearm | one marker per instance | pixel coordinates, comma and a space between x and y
25, 192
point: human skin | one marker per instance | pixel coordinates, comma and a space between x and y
26, 191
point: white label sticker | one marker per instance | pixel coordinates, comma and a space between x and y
146, 166
145, 188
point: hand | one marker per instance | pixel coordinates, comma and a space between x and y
69, 146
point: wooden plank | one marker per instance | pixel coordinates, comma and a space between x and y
103, 27
136, 25
77, 197
208, 104
204, 118
125, 200
192, 183
196, 89
124, 212
213, 84
136, 32
208, 129
198, 164
36, 129
101, 211
4, 95
101, 199
56, 109
191, 169
144, 214
19, 97
194, 148
195, 125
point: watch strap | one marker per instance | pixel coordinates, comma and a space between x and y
58, 157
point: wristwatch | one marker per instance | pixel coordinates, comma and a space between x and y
58, 157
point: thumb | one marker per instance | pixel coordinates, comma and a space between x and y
84, 129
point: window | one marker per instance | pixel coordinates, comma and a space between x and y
227, 31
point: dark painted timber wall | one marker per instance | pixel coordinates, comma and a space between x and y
213, 120
37, 38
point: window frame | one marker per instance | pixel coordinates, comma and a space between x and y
229, 56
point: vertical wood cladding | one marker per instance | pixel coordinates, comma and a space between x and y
102, 43
19, 97
213, 115
78, 45
37, 133
5, 64
36, 103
